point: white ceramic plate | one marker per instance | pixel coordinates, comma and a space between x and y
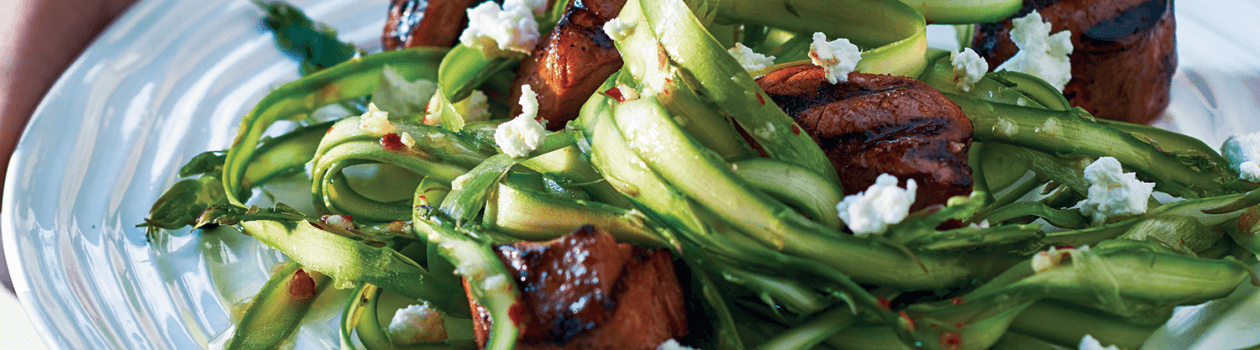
171, 79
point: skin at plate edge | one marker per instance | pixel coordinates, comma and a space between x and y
36, 45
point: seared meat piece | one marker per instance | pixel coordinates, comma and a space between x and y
568, 65
586, 291
876, 124
1124, 58
414, 23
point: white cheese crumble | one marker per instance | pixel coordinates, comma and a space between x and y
673, 345
837, 57
499, 31
476, 108
1040, 54
765, 132
407, 140
417, 324
343, 222
459, 181
1112, 192
1243, 154
1049, 259
523, 134
881, 205
1089, 343
749, 59
398, 96
375, 121
618, 29
969, 68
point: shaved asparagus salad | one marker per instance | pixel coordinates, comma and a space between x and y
1077, 230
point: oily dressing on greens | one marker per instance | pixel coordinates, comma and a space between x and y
656, 157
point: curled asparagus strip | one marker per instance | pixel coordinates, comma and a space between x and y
276, 312
1121, 277
684, 40
336, 255
1046, 130
295, 100
893, 34
485, 276
180, 205
801, 188
965, 11
437, 154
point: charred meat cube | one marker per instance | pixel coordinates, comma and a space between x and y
415, 23
586, 291
875, 124
570, 63
1124, 57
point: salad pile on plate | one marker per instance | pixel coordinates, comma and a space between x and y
798, 174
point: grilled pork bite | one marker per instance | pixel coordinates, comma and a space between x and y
876, 124
570, 63
415, 23
1124, 57
586, 291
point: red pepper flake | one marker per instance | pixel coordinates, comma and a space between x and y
950, 340
960, 325
615, 93
956, 300
662, 57
516, 313
315, 225
392, 142
329, 131
796, 129
761, 99
1248, 220
906, 318
302, 286
885, 303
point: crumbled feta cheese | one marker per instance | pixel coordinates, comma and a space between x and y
765, 132
1089, 343
500, 31
969, 68
751, 60
982, 225
618, 29
673, 345
1005, 127
881, 205
1049, 259
1040, 54
1113, 192
523, 134
459, 181
407, 140
837, 57
416, 324
478, 107
343, 222
1243, 154
400, 97
375, 121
